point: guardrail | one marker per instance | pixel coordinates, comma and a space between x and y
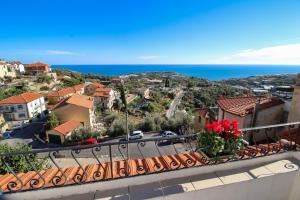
106, 161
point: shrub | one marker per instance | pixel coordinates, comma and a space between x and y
18, 163
52, 121
44, 88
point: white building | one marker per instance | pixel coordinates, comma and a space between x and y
18, 67
18, 110
7, 70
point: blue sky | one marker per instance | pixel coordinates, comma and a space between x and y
151, 31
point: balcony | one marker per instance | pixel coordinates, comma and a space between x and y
157, 167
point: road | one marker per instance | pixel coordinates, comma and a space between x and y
26, 136
173, 106
137, 150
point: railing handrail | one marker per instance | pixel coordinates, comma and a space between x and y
269, 126
122, 142
82, 147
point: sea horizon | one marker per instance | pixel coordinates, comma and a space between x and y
208, 71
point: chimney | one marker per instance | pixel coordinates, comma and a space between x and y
294, 114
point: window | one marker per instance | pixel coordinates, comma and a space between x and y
22, 115
20, 107
2, 108
199, 119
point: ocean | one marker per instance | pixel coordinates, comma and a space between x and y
211, 72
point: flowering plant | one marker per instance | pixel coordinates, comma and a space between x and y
220, 138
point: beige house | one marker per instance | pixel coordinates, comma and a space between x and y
90, 89
104, 97
252, 111
59, 134
77, 107
56, 96
144, 92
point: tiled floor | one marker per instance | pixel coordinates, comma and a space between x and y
158, 190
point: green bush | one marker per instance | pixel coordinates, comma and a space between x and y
43, 78
44, 88
83, 133
52, 121
118, 128
18, 163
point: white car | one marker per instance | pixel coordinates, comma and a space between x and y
135, 135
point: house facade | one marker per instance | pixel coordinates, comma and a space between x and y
104, 98
91, 88
37, 68
18, 110
61, 133
56, 96
77, 107
252, 111
18, 67
7, 70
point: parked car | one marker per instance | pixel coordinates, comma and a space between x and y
89, 141
170, 134
135, 135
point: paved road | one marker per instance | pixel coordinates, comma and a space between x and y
137, 150
26, 136
173, 106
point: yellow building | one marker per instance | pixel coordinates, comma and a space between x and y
77, 107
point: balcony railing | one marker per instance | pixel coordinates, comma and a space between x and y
107, 161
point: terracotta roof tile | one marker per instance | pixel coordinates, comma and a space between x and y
37, 66
67, 127
102, 92
80, 100
66, 91
243, 106
97, 85
21, 98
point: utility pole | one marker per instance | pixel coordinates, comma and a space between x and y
124, 101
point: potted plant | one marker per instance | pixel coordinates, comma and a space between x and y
220, 138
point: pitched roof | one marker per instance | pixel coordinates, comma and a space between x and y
243, 106
96, 85
80, 100
21, 98
37, 66
65, 91
102, 92
78, 87
67, 127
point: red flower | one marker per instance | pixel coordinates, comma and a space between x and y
235, 124
209, 127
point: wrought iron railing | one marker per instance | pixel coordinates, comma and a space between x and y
109, 160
